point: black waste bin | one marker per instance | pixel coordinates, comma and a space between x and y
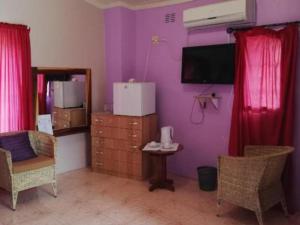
207, 178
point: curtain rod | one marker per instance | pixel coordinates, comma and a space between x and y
232, 29
15, 24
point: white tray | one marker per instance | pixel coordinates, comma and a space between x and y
173, 148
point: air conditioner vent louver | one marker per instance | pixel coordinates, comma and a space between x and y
234, 12
170, 18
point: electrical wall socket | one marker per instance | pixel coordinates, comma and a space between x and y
155, 39
210, 98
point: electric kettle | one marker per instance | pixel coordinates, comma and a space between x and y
167, 135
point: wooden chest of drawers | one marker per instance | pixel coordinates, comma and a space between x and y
69, 117
116, 144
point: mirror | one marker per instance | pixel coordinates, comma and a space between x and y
65, 94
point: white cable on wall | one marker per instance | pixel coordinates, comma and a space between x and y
230, 38
149, 52
200, 106
188, 38
172, 54
147, 62
202, 113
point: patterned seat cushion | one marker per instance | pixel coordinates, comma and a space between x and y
19, 146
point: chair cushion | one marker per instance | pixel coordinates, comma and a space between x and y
18, 145
32, 164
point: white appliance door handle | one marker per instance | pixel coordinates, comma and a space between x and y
172, 132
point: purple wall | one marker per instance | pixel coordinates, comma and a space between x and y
128, 44
202, 143
120, 36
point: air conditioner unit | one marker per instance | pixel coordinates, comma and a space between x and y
233, 13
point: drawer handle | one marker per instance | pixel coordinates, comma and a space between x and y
134, 146
101, 153
100, 132
133, 123
99, 142
97, 120
99, 164
134, 135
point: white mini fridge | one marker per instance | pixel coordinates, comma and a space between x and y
134, 99
69, 94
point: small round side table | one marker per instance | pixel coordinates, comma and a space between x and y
160, 169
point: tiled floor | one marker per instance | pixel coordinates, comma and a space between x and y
87, 198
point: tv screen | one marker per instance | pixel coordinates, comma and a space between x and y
213, 64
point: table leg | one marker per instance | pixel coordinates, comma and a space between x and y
161, 180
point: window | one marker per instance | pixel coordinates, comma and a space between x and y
262, 73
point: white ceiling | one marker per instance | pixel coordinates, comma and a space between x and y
134, 4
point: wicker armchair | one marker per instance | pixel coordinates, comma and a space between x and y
19, 176
254, 181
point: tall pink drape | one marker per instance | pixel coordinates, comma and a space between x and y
263, 107
16, 91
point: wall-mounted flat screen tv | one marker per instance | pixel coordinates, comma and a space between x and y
213, 64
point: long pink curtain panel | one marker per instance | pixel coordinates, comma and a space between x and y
16, 91
264, 91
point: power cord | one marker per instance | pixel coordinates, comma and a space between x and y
147, 62
202, 113
201, 108
149, 52
171, 52
206, 89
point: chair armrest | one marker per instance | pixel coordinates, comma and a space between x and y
265, 150
5, 160
42, 143
5, 169
241, 172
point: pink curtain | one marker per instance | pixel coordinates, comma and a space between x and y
263, 107
41, 91
16, 93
